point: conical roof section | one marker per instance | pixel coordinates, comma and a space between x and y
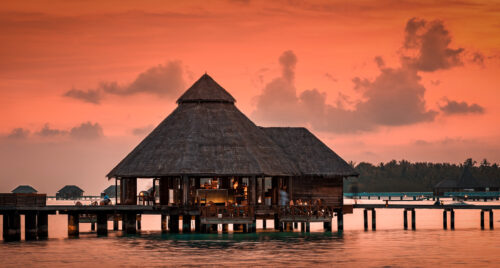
206, 135
206, 90
467, 180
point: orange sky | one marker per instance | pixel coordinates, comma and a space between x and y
438, 104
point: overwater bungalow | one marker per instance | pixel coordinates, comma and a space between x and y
69, 192
208, 156
466, 183
111, 191
24, 189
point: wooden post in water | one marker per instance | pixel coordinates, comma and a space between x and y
42, 225
186, 223
296, 225
445, 220
173, 223
102, 224
30, 226
129, 223
92, 225
413, 220
115, 222
308, 227
163, 223
452, 219
405, 219
340, 220
197, 223
491, 219
225, 228
365, 218
374, 220
482, 219
139, 221
73, 225
327, 226
302, 227
264, 224
11, 227
276, 222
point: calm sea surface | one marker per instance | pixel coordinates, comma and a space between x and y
389, 245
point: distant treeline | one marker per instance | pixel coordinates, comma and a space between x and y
404, 176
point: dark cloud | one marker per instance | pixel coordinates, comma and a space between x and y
331, 77
163, 80
18, 133
431, 41
141, 131
91, 96
394, 98
87, 131
46, 131
478, 58
454, 107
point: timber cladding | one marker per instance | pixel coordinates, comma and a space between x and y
23, 200
327, 189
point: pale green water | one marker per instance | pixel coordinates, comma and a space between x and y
390, 245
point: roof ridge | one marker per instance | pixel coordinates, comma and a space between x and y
206, 89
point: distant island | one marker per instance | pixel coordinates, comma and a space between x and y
404, 176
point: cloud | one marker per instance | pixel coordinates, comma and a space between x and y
141, 131
453, 107
18, 133
478, 58
46, 131
394, 98
87, 131
431, 41
91, 96
163, 80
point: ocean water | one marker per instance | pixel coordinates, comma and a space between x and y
388, 246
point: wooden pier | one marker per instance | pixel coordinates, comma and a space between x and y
410, 208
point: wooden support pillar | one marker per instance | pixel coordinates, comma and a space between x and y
225, 228
253, 226
163, 223
365, 218
237, 227
129, 223
340, 220
264, 224
296, 225
374, 220
482, 219
186, 223
164, 191
405, 219
445, 219
173, 223
289, 227
302, 227
276, 222
42, 225
197, 223
11, 227
30, 226
115, 222
413, 220
491, 219
73, 225
185, 190
102, 224
214, 228
327, 226
452, 219
245, 228
92, 225
308, 227
139, 222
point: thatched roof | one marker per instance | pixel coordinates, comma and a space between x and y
70, 189
466, 181
446, 183
311, 156
205, 136
24, 189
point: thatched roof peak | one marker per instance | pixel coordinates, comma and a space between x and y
24, 189
206, 90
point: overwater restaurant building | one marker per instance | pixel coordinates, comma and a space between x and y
208, 153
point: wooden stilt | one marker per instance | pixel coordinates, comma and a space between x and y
374, 220
129, 223
139, 222
340, 220
197, 223
102, 224
445, 220
302, 227
296, 225
276, 222
413, 220
365, 217
42, 225
405, 219
30, 231
452, 219
482, 219
308, 227
173, 223
491, 219
163, 223
73, 225
92, 225
11, 227
186, 223
225, 228
264, 223
115, 222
